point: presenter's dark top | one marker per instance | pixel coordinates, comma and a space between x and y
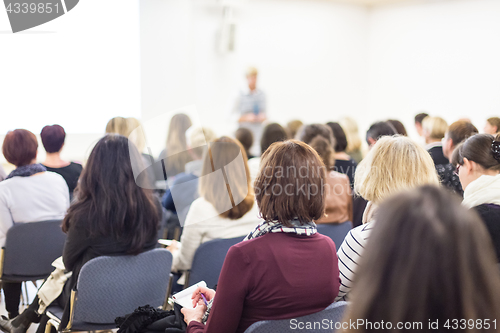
70, 173
275, 276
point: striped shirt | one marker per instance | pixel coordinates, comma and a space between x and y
349, 255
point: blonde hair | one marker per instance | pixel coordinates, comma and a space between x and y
136, 133
434, 127
223, 154
117, 125
251, 71
176, 144
395, 163
352, 133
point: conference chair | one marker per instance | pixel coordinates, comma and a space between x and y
29, 250
336, 232
333, 314
110, 287
208, 260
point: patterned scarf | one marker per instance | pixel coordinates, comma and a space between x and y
307, 229
27, 170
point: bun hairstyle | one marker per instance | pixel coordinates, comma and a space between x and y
484, 149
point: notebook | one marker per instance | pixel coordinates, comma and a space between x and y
183, 298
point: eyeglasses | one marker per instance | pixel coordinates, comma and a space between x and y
457, 169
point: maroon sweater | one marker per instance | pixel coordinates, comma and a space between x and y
275, 276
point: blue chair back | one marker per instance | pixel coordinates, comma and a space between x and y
30, 249
333, 313
336, 232
109, 287
208, 260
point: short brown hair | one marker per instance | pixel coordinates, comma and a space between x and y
245, 137
19, 147
223, 154
460, 130
494, 121
284, 158
53, 138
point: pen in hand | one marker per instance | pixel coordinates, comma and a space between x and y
204, 299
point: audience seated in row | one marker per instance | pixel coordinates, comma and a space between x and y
343, 162
225, 208
53, 142
284, 268
394, 163
110, 215
354, 142
478, 166
30, 193
336, 189
433, 131
426, 267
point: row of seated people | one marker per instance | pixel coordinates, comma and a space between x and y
109, 200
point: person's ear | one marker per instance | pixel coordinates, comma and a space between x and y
371, 141
468, 166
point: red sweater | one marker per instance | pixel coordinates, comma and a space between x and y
275, 276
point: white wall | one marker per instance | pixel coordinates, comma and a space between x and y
311, 56
441, 56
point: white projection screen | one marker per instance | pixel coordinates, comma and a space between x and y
78, 70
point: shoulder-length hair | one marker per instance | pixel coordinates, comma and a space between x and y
429, 259
394, 163
225, 173
290, 184
177, 154
108, 201
320, 137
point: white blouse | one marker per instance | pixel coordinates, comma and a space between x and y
41, 197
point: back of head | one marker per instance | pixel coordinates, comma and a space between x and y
460, 130
425, 263
20, 147
420, 117
434, 127
197, 138
136, 133
483, 149
108, 200
400, 128
293, 127
118, 125
53, 138
352, 133
272, 133
245, 137
319, 137
225, 178
395, 163
290, 183
494, 121
176, 145
380, 129
339, 137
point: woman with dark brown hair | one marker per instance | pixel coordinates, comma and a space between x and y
338, 194
110, 215
225, 208
284, 268
478, 166
426, 269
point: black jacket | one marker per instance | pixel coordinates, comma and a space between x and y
490, 214
80, 247
438, 156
